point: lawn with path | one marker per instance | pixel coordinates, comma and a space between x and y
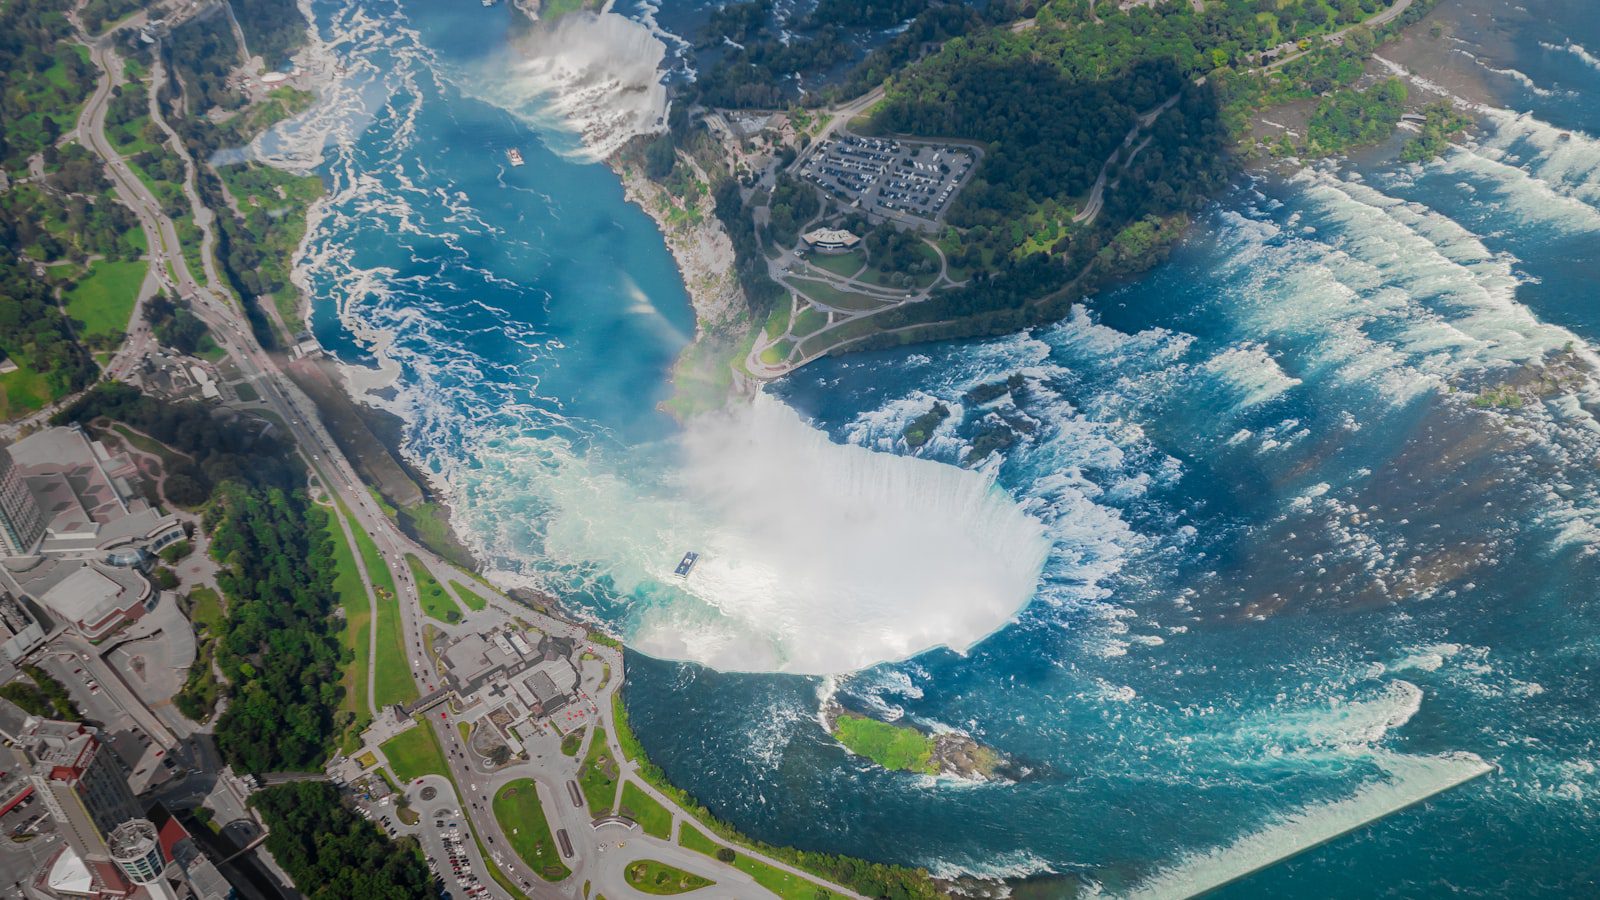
435, 601
647, 811
521, 817
828, 295
392, 675
355, 637
785, 884
598, 776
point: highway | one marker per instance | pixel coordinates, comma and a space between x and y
600, 855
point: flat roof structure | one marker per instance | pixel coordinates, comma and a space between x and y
831, 239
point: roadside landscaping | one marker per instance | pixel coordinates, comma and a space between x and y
521, 817
652, 877
598, 776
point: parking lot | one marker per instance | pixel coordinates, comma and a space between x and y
910, 181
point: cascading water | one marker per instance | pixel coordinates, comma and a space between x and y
595, 75
816, 557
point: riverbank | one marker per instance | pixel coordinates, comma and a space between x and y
709, 370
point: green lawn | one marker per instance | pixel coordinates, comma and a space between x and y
828, 295
103, 300
784, 884
651, 877
435, 602
472, 599
809, 320
23, 391
595, 776
521, 817
206, 610
842, 264
355, 638
647, 811
891, 746
777, 353
392, 678
415, 752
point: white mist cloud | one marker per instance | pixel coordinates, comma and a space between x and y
597, 76
817, 557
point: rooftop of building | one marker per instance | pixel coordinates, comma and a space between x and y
85, 493
58, 744
830, 236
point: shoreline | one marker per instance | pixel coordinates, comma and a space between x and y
703, 254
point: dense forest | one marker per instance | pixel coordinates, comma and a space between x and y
750, 265
202, 53
279, 646
333, 854
762, 59
793, 204
273, 29
1350, 118
174, 324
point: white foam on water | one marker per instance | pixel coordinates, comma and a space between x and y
1425, 659
1520, 77
1529, 197
1567, 161
1576, 49
1252, 372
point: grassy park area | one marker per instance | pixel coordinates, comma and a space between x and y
472, 599
24, 391
102, 302
786, 885
521, 817
647, 811
598, 775
435, 601
842, 264
413, 753
392, 675
651, 877
828, 295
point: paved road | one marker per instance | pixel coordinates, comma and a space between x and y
596, 855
